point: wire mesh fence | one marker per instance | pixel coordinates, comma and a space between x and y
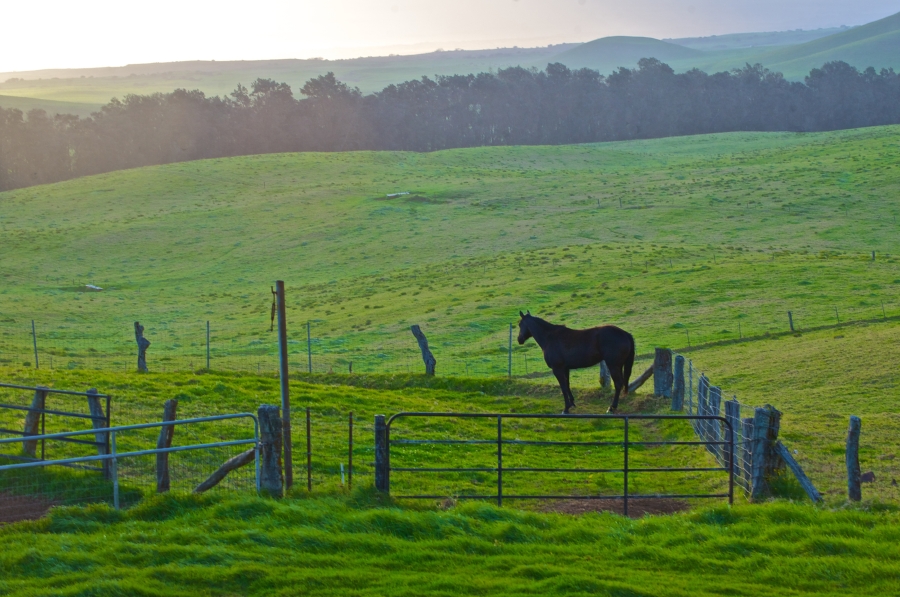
703, 398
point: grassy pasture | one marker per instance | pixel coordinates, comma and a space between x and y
253, 546
694, 240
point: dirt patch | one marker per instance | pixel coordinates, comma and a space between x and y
637, 508
14, 508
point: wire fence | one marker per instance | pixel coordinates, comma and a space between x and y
703, 398
475, 350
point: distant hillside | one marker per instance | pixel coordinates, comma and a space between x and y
737, 41
876, 44
50, 106
608, 53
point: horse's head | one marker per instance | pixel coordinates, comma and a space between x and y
524, 332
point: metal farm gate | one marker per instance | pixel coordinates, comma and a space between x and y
383, 444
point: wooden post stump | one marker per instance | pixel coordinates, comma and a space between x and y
854, 489
766, 462
33, 421
678, 385
98, 421
271, 478
429, 359
662, 373
166, 432
143, 345
382, 456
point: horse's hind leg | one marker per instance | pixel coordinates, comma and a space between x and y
569, 387
619, 383
562, 376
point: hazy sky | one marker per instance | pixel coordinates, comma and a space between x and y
64, 34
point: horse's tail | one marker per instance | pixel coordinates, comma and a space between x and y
629, 363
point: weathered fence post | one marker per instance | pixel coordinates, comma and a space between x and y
605, 377
791, 320
662, 373
730, 449
284, 381
854, 489
33, 419
714, 426
166, 432
804, 481
37, 364
509, 354
271, 479
143, 345
382, 456
746, 451
703, 404
678, 385
99, 421
766, 423
429, 359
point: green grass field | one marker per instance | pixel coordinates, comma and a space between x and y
700, 243
356, 546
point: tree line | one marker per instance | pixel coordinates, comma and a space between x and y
514, 106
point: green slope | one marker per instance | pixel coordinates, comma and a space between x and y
52, 107
608, 53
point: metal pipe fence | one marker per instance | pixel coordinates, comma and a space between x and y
626, 444
132, 469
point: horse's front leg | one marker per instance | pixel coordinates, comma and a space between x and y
569, 388
562, 376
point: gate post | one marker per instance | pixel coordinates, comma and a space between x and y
662, 373
99, 421
854, 490
766, 423
678, 389
32, 420
271, 479
382, 456
605, 377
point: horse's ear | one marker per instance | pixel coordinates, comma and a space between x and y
521, 314
528, 313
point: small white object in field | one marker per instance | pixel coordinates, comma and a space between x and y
92, 287
795, 452
392, 195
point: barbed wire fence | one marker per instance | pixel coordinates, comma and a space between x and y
475, 350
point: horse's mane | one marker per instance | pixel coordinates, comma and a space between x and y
545, 323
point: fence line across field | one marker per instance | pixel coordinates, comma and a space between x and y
181, 346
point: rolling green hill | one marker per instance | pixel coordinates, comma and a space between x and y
50, 106
608, 53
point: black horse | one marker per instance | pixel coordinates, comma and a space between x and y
566, 349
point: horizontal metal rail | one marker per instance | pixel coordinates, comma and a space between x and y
51, 390
48, 411
625, 444
113, 455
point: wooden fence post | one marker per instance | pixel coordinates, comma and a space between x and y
166, 432
271, 478
98, 421
605, 377
715, 427
429, 359
662, 373
746, 451
766, 423
678, 385
733, 416
143, 345
33, 420
703, 404
382, 456
854, 489
804, 481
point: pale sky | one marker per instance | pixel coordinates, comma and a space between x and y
65, 34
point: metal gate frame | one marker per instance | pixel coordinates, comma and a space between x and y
387, 442
105, 421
